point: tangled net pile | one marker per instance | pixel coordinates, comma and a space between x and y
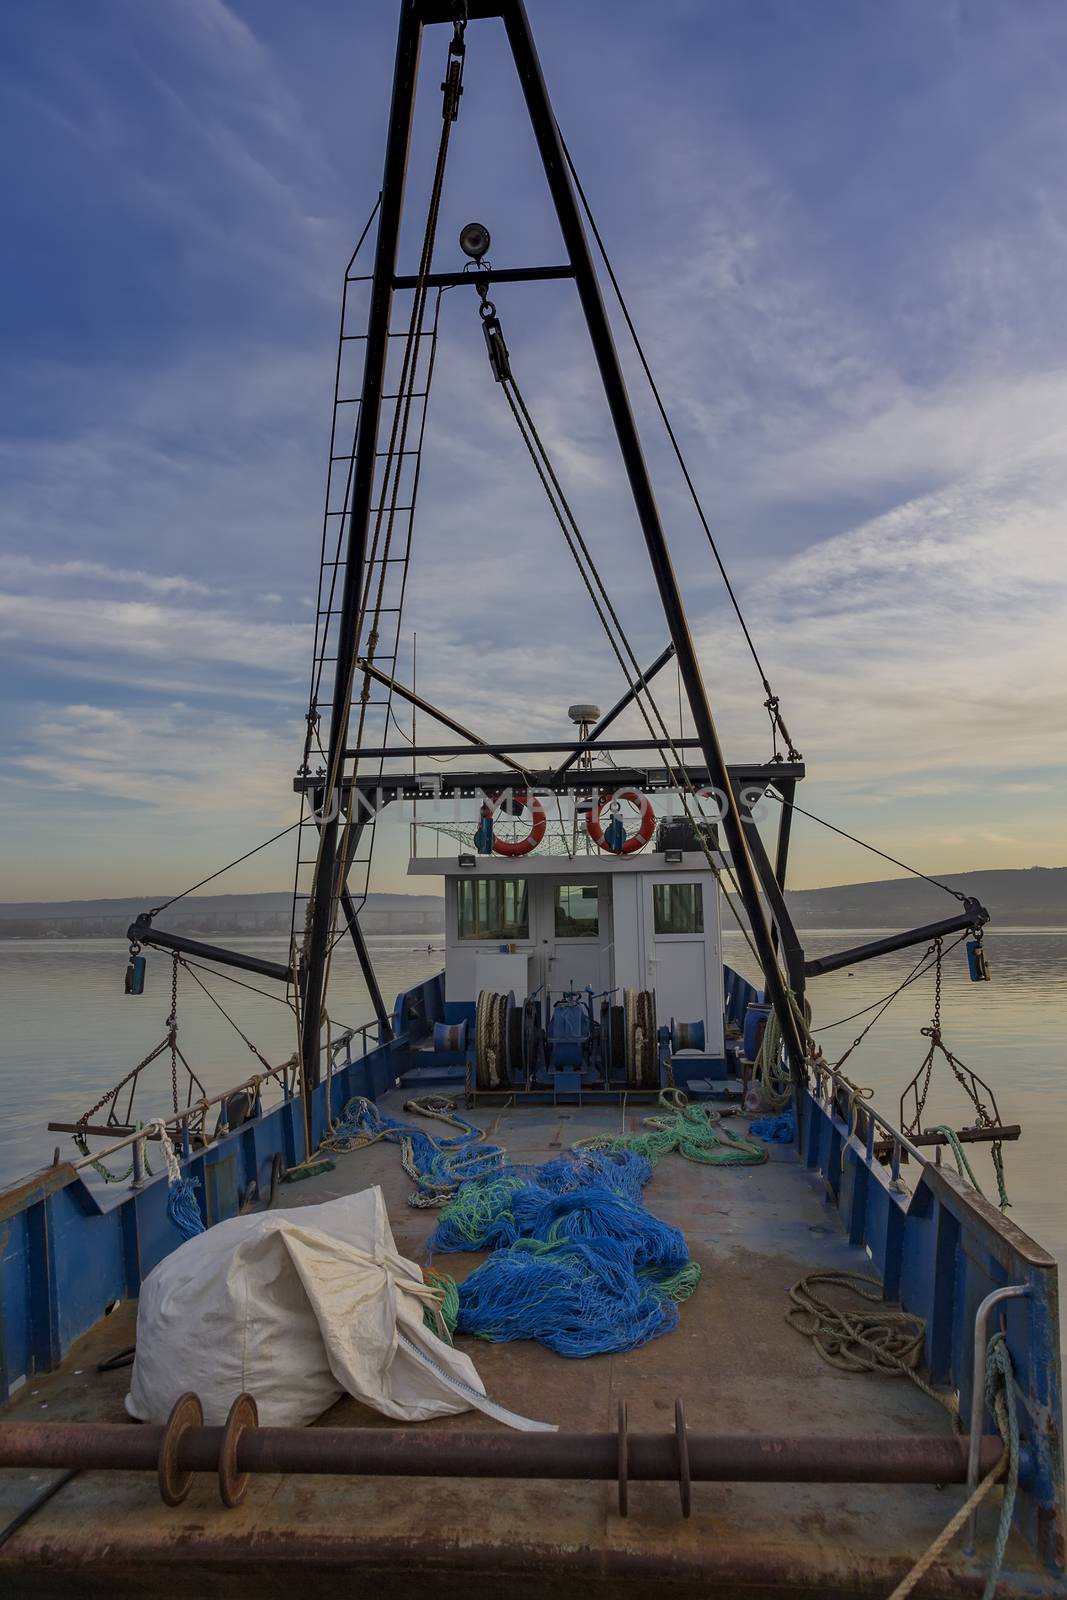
579, 1263
437, 1165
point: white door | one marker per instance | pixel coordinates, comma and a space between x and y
676, 947
579, 931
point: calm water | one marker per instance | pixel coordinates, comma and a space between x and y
69, 1032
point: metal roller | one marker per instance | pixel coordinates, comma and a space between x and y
533, 1029
640, 1043
450, 1036
687, 1035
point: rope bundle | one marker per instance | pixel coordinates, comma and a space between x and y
182, 1208
856, 1340
888, 1341
692, 1130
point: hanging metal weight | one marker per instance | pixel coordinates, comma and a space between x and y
135, 970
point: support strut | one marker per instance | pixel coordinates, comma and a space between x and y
381, 299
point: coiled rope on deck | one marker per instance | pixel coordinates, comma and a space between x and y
694, 1131
888, 1340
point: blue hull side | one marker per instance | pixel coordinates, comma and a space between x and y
68, 1250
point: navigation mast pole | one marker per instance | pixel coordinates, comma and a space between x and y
559, 182
377, 345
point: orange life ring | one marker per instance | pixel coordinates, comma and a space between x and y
636, 841
538, 823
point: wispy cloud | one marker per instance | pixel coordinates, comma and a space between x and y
151, 631
27, 569
850, 299
172, 758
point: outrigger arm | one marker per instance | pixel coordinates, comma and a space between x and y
142, 932
973, 916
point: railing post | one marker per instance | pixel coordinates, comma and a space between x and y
981, 1322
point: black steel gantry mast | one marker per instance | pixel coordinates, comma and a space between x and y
415, 15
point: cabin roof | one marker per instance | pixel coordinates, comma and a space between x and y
546, 866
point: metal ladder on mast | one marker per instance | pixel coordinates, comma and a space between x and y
394, 500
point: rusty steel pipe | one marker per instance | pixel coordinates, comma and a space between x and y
387, 1452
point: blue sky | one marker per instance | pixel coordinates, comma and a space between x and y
842, 230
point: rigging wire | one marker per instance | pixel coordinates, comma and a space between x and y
234, 1025
155, 910
955, 893
772, 703
227, 977
923, 965
594, 584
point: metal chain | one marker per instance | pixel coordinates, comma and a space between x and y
172, 1033
112, 1094
968, 1081
933, 1033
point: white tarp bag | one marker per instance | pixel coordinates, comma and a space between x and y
297, 1308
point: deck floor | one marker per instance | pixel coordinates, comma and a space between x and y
733, 1359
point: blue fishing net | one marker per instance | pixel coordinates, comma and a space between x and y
578, 1262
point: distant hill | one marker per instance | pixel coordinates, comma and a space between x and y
1035, 897
208, 913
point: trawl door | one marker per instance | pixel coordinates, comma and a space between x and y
578, 917
677, 948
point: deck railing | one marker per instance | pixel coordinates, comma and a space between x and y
941, 1250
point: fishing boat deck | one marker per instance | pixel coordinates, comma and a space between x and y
737, 1364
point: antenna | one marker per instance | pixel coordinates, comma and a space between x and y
586, 716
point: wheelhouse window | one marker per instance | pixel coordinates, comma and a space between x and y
577, 911
493, 908
678, 907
